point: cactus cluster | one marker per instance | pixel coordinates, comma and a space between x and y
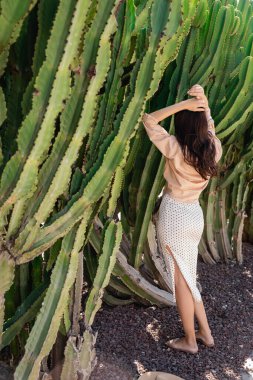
78, 176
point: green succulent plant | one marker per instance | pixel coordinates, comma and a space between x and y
79, 177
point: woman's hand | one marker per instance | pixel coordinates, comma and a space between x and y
199, 93
195, 105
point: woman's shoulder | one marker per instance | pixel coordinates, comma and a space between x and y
175, 149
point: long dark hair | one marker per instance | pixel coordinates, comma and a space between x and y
191, 131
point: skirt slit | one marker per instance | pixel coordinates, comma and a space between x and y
180, 226
171, 259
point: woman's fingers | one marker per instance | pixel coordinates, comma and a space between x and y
198, 93
197, 102
195, 91
197, 88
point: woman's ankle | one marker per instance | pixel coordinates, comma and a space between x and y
191, 339
204, 331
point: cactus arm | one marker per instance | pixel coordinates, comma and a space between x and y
87, 116
106, 263
3, 109
44, 80
46, 13
246, 110
123, 134
142, 14
80, 357
32, 122
3, 113
78, 295
123, 131
210, 218
216, 41
7, 268
26, 184
117, 184
11, 20
223, 243
201, 59
115, 191
69, 370
239, 220
232, 204
55, 175
148, 208
133, 280
44, 332
115, 301
139, 285
236, 170
28, 367
11, 14
25, 313
70, 115
121, 55
241, 96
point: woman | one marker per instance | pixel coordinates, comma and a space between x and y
191, 158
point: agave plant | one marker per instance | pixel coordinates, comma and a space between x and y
79, 177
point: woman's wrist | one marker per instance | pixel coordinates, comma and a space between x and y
180, 105
165, 112
183, 104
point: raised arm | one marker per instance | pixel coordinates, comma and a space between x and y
166, 143
159, 136
168, 111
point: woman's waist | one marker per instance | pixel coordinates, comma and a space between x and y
182, 196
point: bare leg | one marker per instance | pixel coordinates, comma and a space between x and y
204, 329
185, 306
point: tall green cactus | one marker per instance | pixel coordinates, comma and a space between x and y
107, 259
47, 323
80, 178
7, 267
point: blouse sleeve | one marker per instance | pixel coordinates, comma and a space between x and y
217, 141
159, 136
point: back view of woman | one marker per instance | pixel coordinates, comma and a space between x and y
191, 157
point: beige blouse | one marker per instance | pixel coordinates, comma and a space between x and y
184, 183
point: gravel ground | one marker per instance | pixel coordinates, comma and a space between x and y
131, 339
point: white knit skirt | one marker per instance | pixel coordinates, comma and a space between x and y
180, 226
